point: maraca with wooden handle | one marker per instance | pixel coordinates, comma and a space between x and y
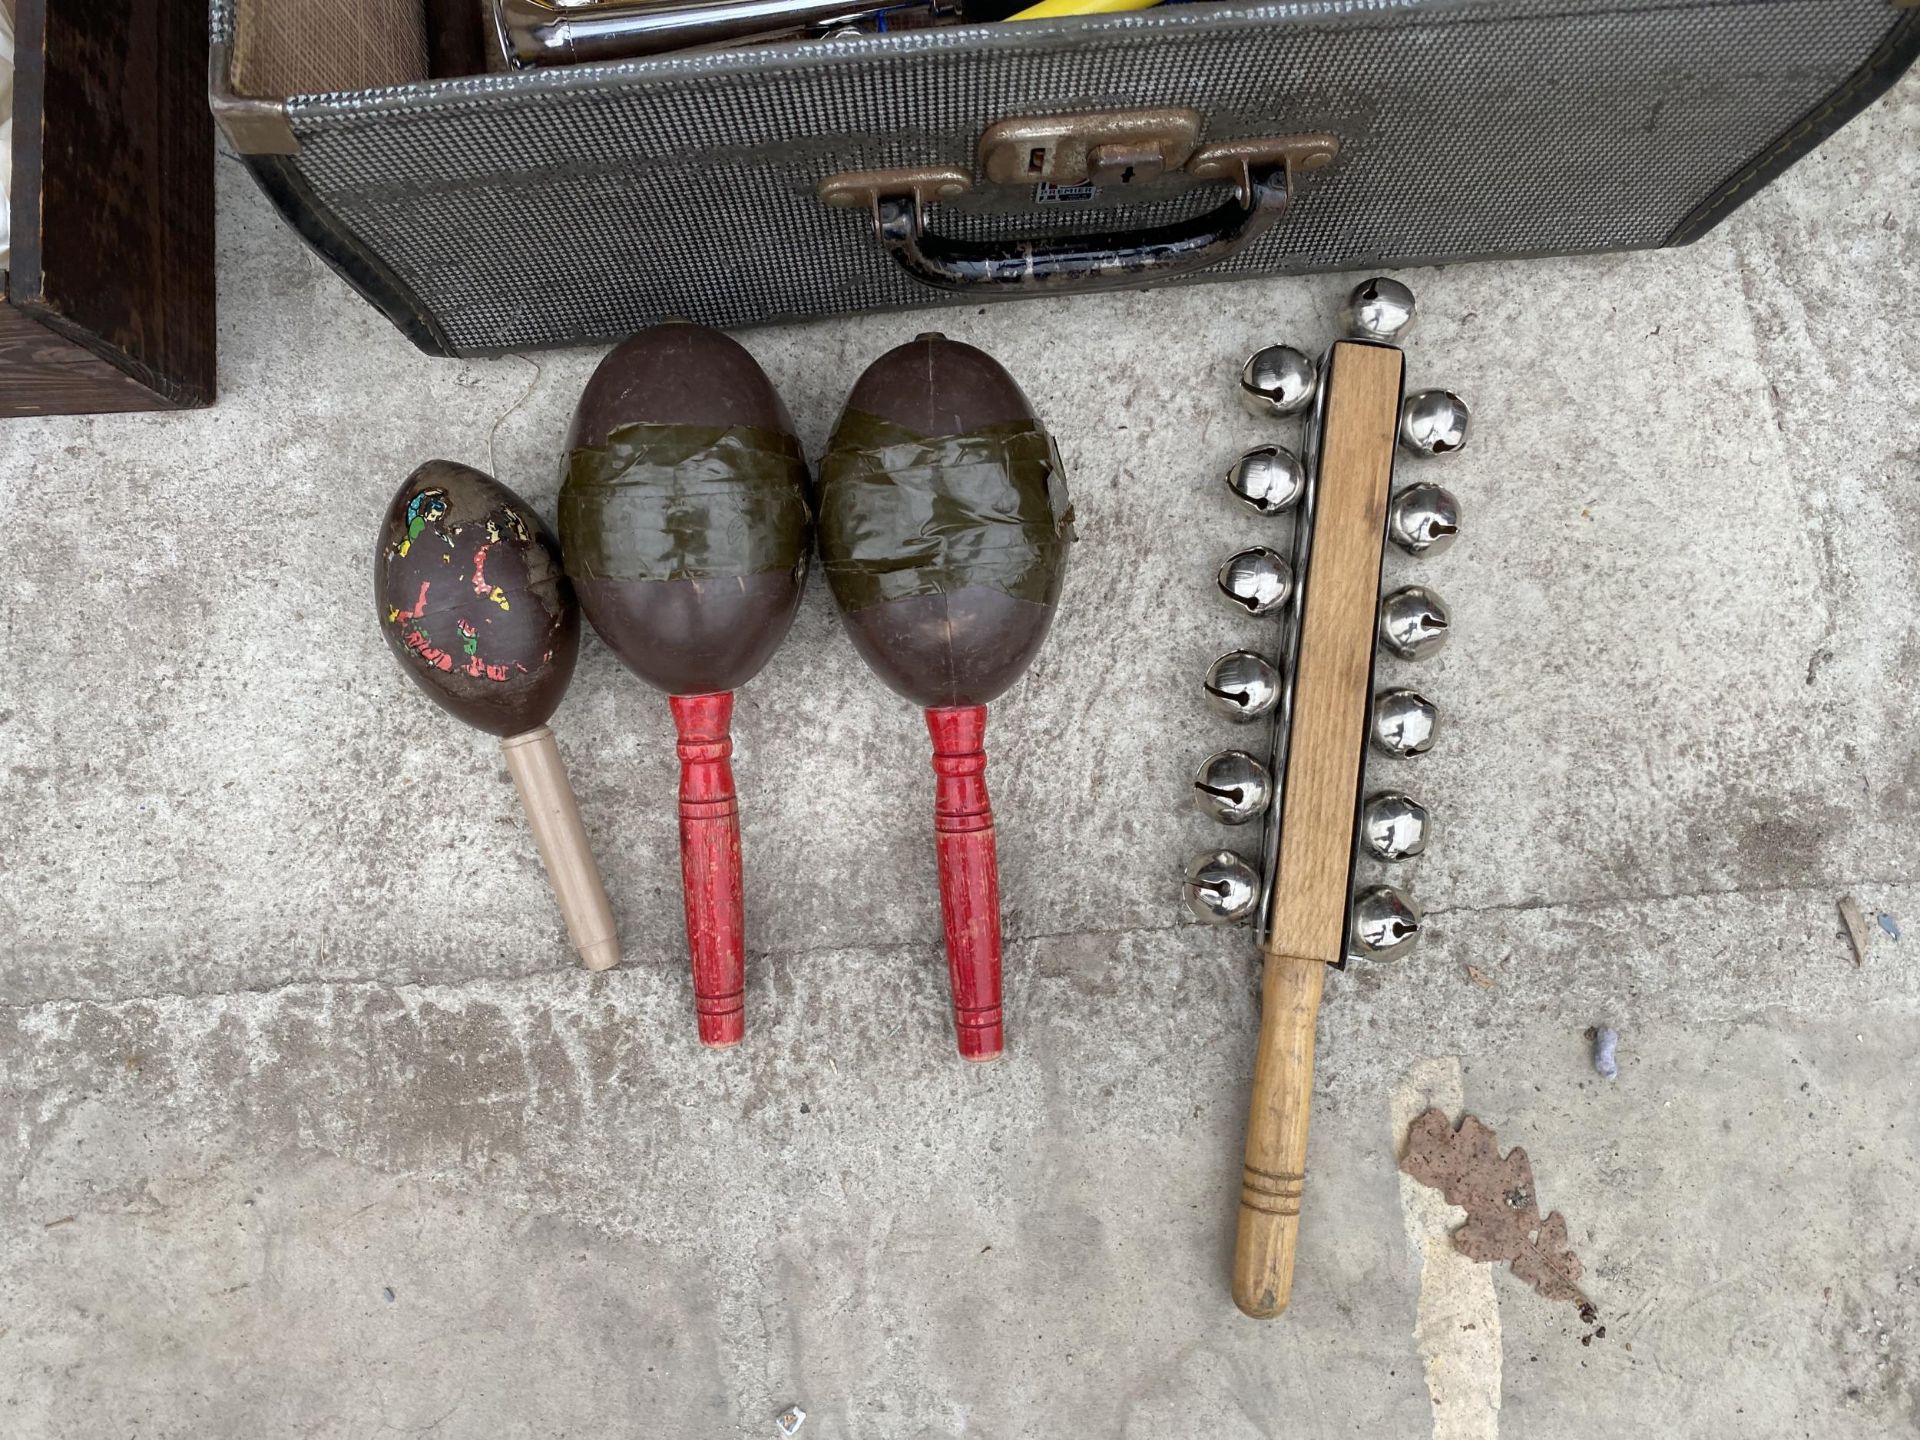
686, 529
476, 608
944, 526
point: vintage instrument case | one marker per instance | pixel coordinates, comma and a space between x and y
1191, 141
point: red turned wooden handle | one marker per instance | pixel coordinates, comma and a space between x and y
710, 865
969, 877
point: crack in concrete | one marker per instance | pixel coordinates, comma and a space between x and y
374, 982
1831, 889
344, 982
369, 982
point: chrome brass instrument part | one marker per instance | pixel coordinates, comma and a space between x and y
538, 32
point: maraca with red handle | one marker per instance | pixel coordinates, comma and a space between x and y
686, 530
478, 612
944, 526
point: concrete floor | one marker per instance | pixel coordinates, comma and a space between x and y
308, 1124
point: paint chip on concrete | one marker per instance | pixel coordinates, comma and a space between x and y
1457, 1322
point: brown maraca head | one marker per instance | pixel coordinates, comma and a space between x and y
684, 516
944, 523
473, 600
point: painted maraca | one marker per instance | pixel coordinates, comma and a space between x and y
476, 608
944, 526
686, 531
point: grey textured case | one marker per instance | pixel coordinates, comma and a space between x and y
567, 205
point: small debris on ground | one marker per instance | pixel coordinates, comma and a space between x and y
1856, 924
1890, 925
789, 1420
1503, 1212
387, 1291
1479, 977
1604, 1040
63, 1220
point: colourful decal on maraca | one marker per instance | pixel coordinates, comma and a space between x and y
422, 510
443, 526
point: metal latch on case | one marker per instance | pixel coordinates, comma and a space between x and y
1110, 147
1114, 148
1122, 163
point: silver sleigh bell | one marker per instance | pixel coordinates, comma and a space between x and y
1403, 723
1232, 787
1221, 888
1393, 826
1433, 422
1385, 924
1242, 685
1378, 309
1423, 520
1277, 381
1257, 580
1414, 622
1270, 479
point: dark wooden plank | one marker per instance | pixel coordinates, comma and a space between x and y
42, 373
113, 189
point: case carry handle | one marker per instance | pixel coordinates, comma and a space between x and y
1263, 172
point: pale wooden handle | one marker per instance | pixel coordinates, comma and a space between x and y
1276, 1168
540, 775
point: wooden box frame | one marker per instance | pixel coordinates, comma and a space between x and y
109, 304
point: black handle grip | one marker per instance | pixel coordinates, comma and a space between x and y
1110, 261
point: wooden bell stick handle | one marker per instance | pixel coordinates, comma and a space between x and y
540, 775
969, 877
710, 865
1276, 1168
